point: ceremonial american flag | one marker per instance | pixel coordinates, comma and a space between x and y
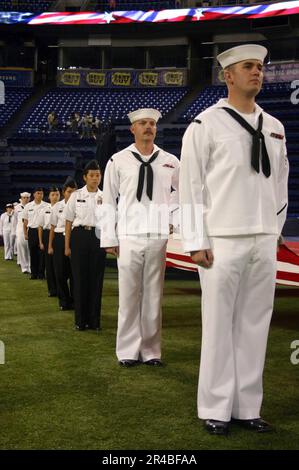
163, 16
287, 261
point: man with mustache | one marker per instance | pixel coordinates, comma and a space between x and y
138, 203
234, 173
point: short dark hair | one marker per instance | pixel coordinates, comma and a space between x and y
53, 189
69, 183
91, 165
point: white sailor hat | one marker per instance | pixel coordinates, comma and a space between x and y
9, 205
239, 53
144, 113
25, 194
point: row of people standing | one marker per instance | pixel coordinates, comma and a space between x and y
233, 186
86, 125
6, 231
75, 279
11, 230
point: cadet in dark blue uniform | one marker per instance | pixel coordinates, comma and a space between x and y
62, 265
43, 236
82, 244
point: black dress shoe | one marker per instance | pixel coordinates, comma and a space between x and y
79, 328
52, 294
66, 307
154, 362
257, 424
128, 362
216, 427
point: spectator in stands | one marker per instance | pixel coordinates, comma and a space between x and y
77, 119
44, 226
235, 170
63, 272
139, 237
6, 222
86, 124
82, 244
30, 226
73, 122
52, 121
70, 122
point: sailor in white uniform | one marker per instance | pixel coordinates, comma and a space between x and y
23, 256
6, 222
136, 228
30, 226
44, 226
234, 173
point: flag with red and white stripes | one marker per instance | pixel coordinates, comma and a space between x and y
152, 16
287, 261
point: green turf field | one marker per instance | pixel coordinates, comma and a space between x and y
62, 389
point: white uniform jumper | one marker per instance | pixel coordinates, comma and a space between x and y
23, 256
243, 215
140, 229
37, 258
6, 222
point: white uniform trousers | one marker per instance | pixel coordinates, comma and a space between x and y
13, 242
8, 248
237, 302
23, 256
141, 267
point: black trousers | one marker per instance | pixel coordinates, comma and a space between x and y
37, 257
63, 272
88, 266
50, 273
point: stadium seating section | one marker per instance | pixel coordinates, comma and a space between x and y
34, 6
32, 163
14, 99
108, 105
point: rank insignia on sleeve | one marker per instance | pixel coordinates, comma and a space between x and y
277, 136
168, 166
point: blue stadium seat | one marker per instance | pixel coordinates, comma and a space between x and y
14, 98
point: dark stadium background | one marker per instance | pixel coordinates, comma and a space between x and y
64, 392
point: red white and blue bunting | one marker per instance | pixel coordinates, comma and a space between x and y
163, 16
